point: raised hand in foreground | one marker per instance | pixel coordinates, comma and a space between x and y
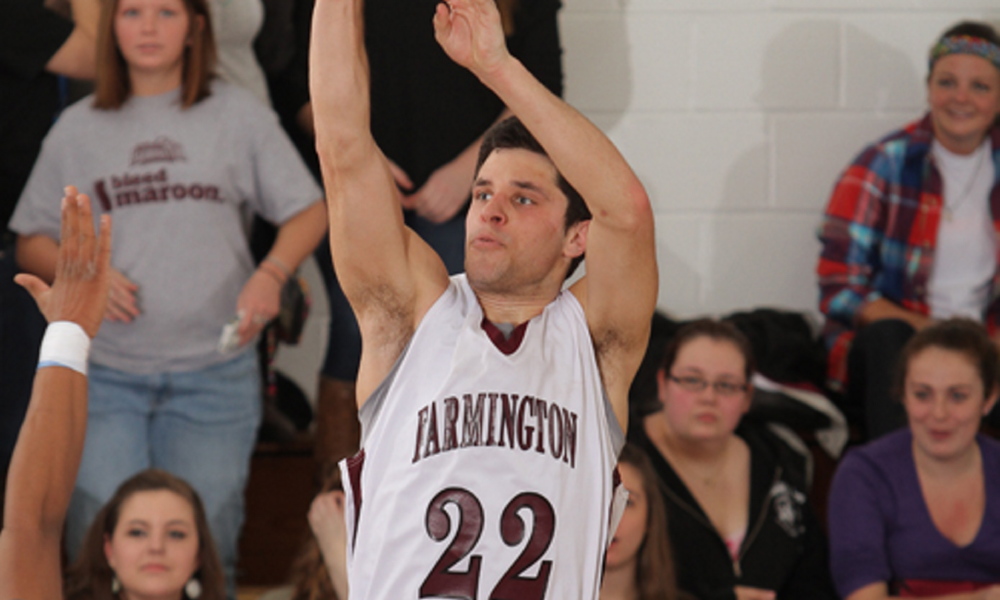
47, 455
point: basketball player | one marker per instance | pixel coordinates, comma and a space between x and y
47, 455
492, 403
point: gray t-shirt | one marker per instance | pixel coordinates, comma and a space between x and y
181, 186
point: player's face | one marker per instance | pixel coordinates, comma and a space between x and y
711, 413
515, 230
154, 547
624, 548
152, 35
944, 400
963, 92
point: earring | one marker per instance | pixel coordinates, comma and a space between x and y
193, 589
116, 586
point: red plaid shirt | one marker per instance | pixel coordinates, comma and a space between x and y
879, 234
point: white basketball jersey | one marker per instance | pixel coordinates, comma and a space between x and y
483, 474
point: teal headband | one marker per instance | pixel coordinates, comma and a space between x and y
965, 44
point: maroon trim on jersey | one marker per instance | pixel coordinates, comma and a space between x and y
354, 466
507, 345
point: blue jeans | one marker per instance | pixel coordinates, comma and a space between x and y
199, 425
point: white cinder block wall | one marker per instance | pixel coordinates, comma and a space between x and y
738, 115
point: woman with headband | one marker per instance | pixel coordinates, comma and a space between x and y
910, 231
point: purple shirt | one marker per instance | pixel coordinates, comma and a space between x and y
881, 529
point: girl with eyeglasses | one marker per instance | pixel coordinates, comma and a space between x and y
737, 510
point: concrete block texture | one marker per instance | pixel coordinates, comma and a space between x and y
760, 259
811, 150
738, 115
680, 255
705, 163
610, 49
760, 61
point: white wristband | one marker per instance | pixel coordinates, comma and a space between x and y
65, 344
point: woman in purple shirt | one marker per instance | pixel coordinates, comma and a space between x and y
912, 513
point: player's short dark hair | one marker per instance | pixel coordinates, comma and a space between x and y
511, 133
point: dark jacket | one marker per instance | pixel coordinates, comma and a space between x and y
784, 548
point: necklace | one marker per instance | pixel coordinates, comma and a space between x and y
950, 208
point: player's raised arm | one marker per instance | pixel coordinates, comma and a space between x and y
619, 291
47, 455
388, 274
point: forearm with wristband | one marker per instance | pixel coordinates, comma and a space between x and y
65, 344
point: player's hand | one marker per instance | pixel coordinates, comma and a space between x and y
79, 292
752, 593
123, 305
257, 304
471, 34
443, 194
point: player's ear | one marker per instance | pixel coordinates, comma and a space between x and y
576, 239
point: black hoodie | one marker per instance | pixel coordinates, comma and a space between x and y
784, 548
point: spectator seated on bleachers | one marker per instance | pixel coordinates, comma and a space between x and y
914, 513
789, 393
639, 564
738, 514
909, 234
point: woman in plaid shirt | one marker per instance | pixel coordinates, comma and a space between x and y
910, 231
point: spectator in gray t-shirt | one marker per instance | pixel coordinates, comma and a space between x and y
182, 163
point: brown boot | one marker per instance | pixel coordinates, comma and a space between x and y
338, 432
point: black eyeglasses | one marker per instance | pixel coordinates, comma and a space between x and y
693, 383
